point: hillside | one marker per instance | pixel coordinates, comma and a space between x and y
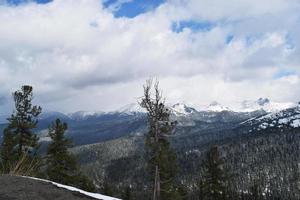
270, 155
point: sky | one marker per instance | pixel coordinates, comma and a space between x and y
97, 54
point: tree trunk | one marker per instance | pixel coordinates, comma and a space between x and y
156, 191
155, 184
158, 184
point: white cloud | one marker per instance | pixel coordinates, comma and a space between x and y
78, 56
214, 10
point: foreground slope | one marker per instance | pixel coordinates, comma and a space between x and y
22, 188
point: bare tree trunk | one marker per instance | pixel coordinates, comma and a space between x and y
157, 178
155, 184
158, 184
156, 191
157, 114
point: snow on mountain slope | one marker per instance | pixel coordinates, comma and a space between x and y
178, 109
285, 118
182, 109
263, 104
90, 194
84, 114
131, 109
216, 107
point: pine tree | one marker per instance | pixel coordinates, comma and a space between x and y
213, 184
127, 193
8, 155
256, 191
160, 157
183, 193
25, 119
62, 166
19, 141
107, 189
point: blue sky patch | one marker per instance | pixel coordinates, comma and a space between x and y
133, 8
193, 25
229, 38
18, 2
284, 73
289, 42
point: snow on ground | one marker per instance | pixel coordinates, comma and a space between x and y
289, 117
70, 188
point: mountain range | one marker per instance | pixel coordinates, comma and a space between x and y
111, 144
260, 136
93, 127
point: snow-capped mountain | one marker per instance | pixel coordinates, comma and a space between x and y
129, 109
216, 107
81, 115
288, 118
182, 109
52, 115
264, 104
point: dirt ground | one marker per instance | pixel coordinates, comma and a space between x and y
19, 188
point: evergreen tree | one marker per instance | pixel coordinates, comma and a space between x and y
213, 185
160, 157
19, 140
62, 166
127, 193
24, 120
107, 189
182, 191
8, 155
256, 191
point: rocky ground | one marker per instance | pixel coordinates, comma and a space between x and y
20, 188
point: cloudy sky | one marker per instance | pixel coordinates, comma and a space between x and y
96, 54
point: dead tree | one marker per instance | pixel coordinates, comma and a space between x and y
160, 127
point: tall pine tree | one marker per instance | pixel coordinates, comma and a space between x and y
8, 155
214, 180
62, 166
19, 140
160, 157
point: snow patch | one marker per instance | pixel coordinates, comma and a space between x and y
296, 123
288, 117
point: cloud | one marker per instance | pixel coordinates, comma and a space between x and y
117, 5
2, 100
232, 10
79, 56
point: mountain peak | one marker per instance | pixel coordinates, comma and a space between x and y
83, 114
182, 109
263, 101
264, 104
131, 108
216, 107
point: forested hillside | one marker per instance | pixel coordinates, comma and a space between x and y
267, 159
